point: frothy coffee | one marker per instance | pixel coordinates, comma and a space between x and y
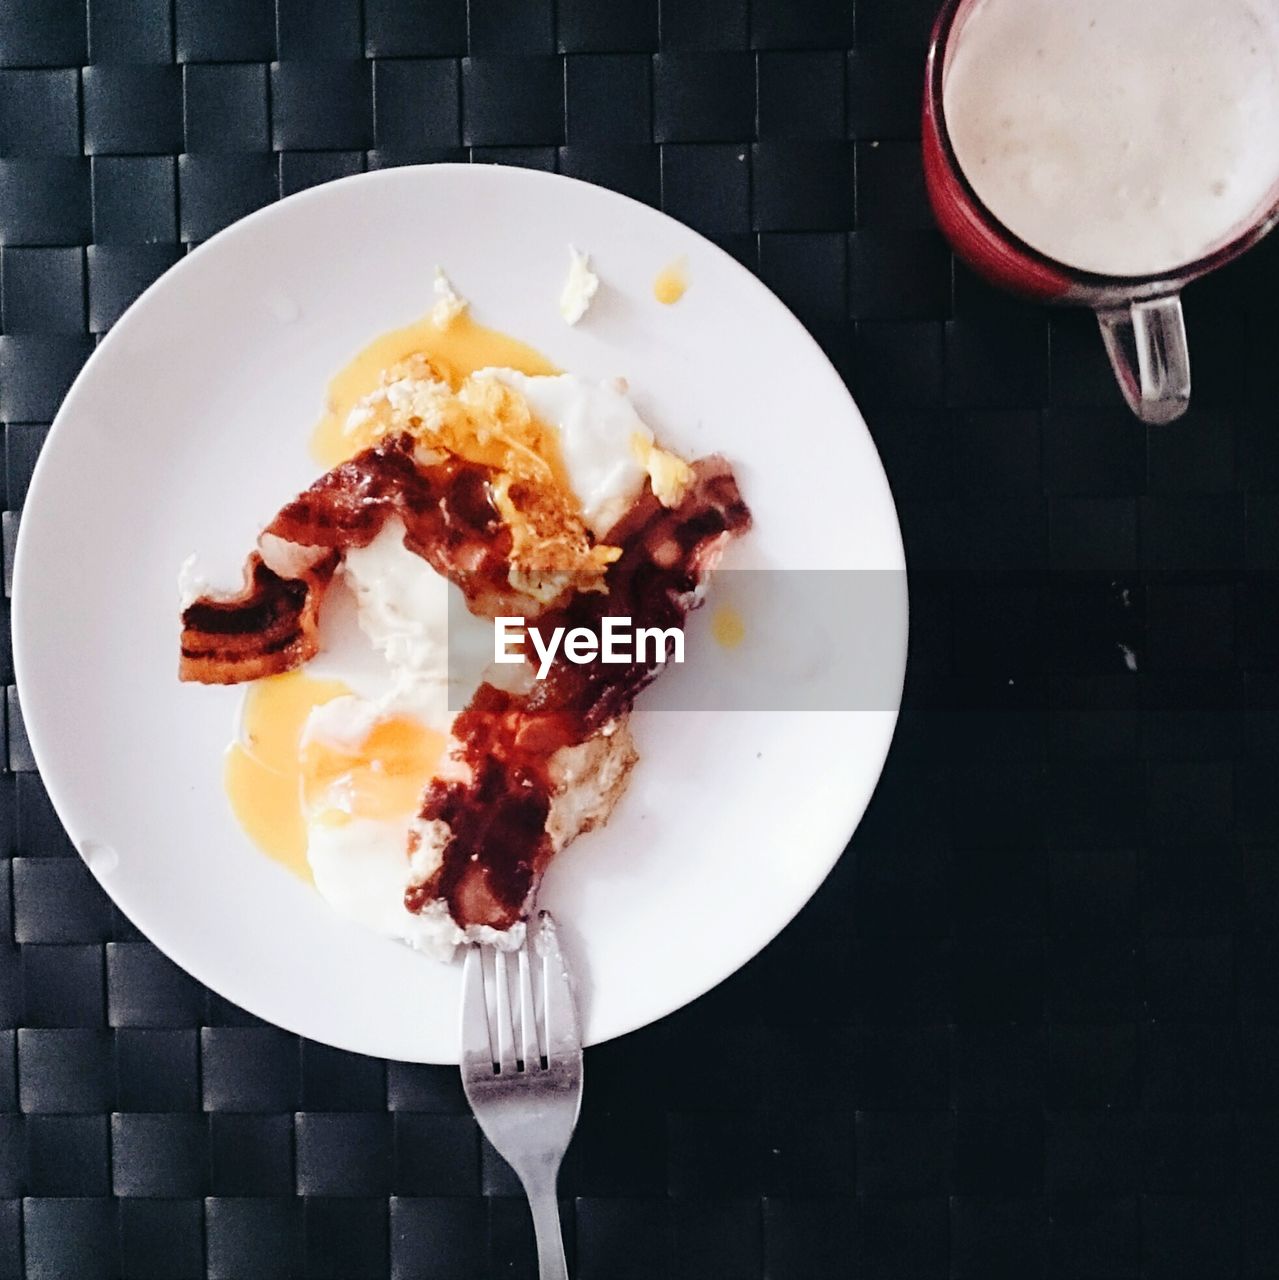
1122, 137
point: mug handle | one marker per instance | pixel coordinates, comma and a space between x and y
1146, 342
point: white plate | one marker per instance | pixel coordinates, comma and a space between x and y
189, 427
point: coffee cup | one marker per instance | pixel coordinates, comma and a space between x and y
1106, 154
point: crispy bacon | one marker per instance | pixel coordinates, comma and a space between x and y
494, 804
445, 504
666, 555
268, 627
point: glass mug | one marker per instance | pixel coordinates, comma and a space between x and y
1140, 317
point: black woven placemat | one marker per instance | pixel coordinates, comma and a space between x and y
1030, 1027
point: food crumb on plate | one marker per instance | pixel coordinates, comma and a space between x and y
449, 304
580, 286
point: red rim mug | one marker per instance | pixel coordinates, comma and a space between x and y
1140, 317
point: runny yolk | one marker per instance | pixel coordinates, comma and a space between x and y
671, 282
263, 772
457, 350
382, 777
728, 627
276, 783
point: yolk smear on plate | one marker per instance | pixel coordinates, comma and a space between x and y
457, 350
728, 627
381, 777
263, 773
671, 282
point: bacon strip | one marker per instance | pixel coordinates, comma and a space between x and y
449, 518
268, 627
495, 808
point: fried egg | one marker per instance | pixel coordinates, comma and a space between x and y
363, 767
329, 773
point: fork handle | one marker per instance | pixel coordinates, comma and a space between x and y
551, 1264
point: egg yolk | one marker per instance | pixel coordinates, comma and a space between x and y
263, 773
381, 777
456, 350
277, 784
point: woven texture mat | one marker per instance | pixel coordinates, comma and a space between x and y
1031, 1025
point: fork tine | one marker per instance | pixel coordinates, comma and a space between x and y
530, 1053
503, 1014
561, 1033
477, 1042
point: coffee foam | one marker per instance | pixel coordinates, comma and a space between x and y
1122, 137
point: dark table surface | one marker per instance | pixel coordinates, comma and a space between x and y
1030, 1026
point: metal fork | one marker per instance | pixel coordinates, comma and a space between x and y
522, 1068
